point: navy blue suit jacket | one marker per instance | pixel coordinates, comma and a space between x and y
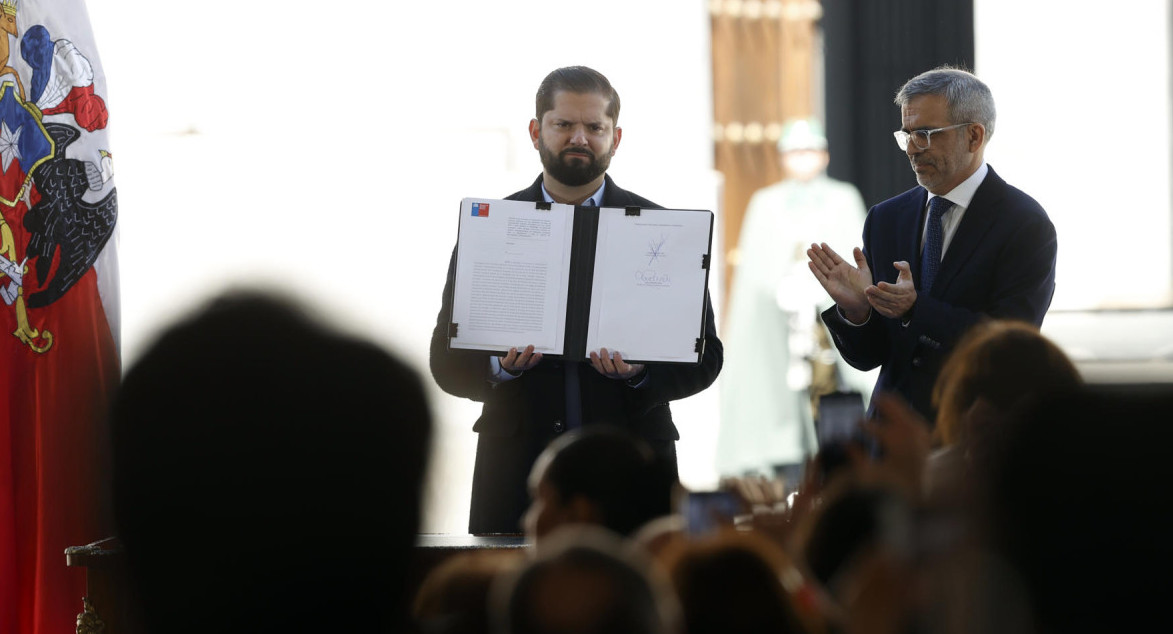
521, 416
1000, 263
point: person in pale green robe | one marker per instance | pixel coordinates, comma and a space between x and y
772, 327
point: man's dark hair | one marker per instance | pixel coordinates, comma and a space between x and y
267, 474
616, 471
576, 79
585, 581
732, 582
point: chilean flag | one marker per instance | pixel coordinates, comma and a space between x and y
24, 144
59, 357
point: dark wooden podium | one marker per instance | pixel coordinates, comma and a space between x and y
433, 548
109, 607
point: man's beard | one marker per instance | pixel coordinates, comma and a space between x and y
573, 172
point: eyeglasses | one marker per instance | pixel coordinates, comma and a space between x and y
921, 138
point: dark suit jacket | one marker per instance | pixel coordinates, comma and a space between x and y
1001, 263
521, 416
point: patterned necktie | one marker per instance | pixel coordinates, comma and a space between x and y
930, 260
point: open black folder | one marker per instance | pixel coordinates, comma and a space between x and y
572, 280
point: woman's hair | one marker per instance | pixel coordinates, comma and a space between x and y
1001, 362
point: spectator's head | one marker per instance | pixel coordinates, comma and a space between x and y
733, 583
454, 597
267, 473
854, 520
1078, 508
585, 580
998, 364
597, 475
861, 546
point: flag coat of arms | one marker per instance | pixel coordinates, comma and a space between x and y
59, 361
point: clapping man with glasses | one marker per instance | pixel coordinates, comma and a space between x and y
961, 247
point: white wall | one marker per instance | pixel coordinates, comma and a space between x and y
324, 148
1083, 96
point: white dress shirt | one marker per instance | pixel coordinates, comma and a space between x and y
960, 196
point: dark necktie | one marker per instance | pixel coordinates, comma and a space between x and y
573, 383
930, 261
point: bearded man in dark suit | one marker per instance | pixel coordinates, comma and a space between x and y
528, 400
962, 247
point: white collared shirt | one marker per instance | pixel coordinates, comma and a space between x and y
960, 196
594, 200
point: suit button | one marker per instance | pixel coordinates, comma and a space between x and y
559, 427
916, 362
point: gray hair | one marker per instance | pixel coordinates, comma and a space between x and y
967, 97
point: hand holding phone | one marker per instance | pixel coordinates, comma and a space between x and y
839, 418
840, 424
707, 511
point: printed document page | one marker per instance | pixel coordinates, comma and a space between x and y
512, 273
649, 284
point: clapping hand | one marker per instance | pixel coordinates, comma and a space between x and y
894, 300
846, 284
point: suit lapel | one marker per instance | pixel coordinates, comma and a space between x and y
981, 214
908, 248
531, 193
612, 195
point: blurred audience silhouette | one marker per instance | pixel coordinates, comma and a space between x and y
733, 583
267, 474
268, 470
1002, 364
585, 580
454, 597
1077, 510
599, 475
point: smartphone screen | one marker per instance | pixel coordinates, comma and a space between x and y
706, 511
839, 416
